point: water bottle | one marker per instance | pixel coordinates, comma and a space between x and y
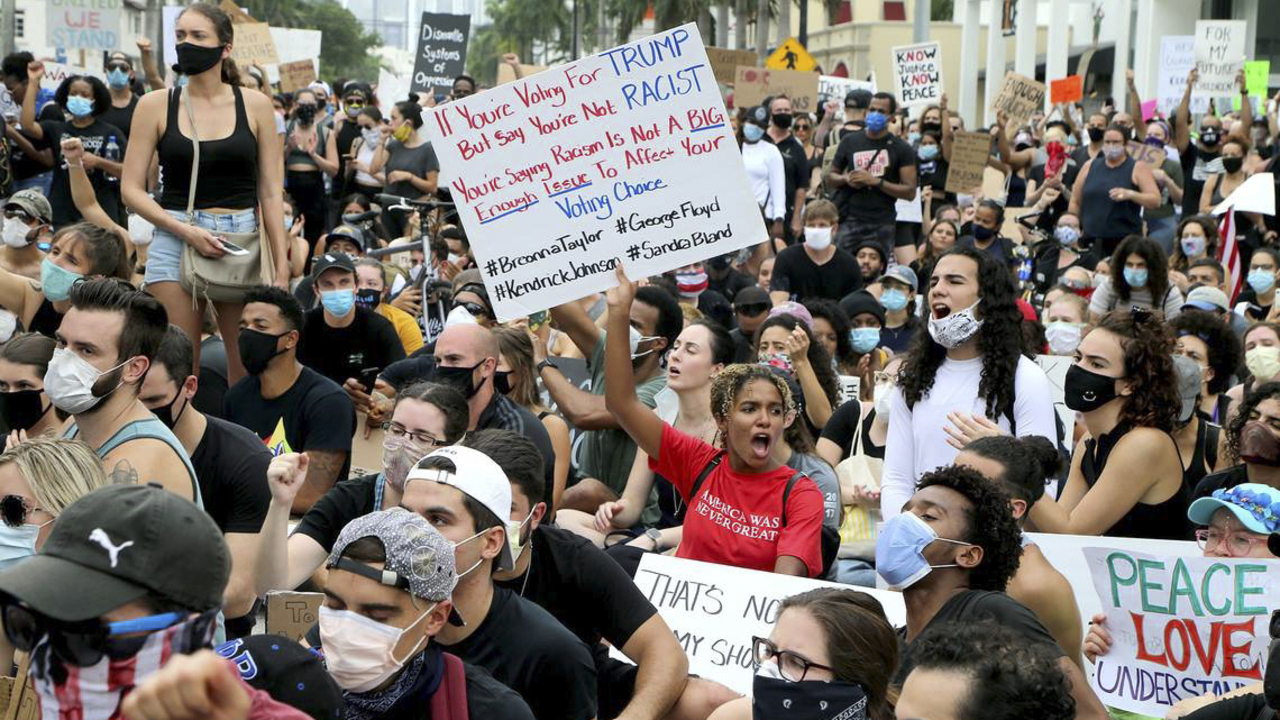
111, 152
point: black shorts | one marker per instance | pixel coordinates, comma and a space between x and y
906, 233
615, 683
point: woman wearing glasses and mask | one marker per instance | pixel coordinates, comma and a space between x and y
830, 650
426, 416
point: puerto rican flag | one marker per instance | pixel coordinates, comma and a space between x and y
1229, 254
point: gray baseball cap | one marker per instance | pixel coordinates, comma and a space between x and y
419, 559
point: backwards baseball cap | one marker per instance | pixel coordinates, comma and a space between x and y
287, 671
348, 232
331, 261
859, 99
758, 115
1208, 298
117, 544
1255, 505
33, 203
419, 559
478, 477
1189, 376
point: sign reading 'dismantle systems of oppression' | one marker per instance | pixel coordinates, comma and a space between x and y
442, 51
627, 155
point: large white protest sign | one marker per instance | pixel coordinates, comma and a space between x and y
1180, 626
835, 88
1177, 59
1257, 194
1220, 55
917, 73
625, 154
83, 24
55, 73
714, 610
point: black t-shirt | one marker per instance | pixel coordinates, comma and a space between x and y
898, 339
730, 284
231, 467
970, 605
344, 502
314, 414
1220, 480
97, 139
796, 273
528, 651
795, 168
421, 365
744, 350
581, 586
1001, 248
844, 423
1195, 171
370, 341
121, 117
24, 166
882, 157
715, 306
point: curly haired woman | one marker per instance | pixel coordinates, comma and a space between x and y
1253, 444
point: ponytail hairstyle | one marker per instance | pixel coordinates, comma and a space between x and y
226, 36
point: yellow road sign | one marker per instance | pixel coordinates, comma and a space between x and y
791, 55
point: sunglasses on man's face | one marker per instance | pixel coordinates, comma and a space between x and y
81, 643
118, 66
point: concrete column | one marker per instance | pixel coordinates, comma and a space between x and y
1025, 48
995, 60
1055, 65
1119, 18
722, 23
967, 104
1146, 53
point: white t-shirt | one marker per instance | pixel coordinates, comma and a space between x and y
767, 176
917, 441
1105, 299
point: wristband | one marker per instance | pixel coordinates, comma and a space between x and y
546, 363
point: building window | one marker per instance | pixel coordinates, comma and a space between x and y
19, 23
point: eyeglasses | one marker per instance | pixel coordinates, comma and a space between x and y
804, 127
881, 377
14, 510
752, 309
80, 643
396, 431
1235, 544
793, 667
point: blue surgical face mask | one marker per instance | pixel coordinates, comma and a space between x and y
752, 133
118, 79
900, 550
338, 302
893, 299
1261, 280
877, 121
79, 106
1136, 277
56, 281
1192, 245
864, 340
1066, 234
928, 152
913, 137
17, 543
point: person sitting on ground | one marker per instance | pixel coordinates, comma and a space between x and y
341, 341
519, 382
27, 225
785, 341
1208, 341
750, 309
1253, 444
815, 268
371, 294
24, 405
1138, 279
1261, 359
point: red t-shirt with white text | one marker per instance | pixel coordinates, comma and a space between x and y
737, 519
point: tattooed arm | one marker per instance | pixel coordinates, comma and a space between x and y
149, 461
322, 475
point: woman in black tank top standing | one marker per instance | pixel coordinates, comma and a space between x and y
1126, 475
1111, 191
239, 184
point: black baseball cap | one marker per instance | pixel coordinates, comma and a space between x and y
754, 295
348, 232
859, 99
332, 260
287, 671
758, 115
118, 544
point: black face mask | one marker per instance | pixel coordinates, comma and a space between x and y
460, 378
926, 128
368, 298
1095, 134
165, 414
195, 59
1209, 138
982, 232
782, 120
807, 699
502, 381
305, 113
257, 349
1084, 390
21, 410
1232, 164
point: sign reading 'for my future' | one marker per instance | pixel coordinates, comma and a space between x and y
622, 155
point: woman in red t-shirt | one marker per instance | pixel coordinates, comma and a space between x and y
738, 516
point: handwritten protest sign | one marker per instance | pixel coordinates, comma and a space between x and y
625, 154
1143, 152
1220, 54
442, 51
917, 73
714, 610
969, 153
1177, 59
1181, 626
724, 63
835, 88
292, 614
1019, 98
234, 12
1256, 76
83, 23
751, 85
253, 45
55, 73
1067, 90
296, 75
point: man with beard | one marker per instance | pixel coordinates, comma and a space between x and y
107, 341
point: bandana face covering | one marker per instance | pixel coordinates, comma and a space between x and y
955, 329
773, 696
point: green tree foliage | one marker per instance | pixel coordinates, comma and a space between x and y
347, 49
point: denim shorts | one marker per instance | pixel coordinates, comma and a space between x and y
165, 254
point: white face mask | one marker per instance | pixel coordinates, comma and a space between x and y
955, 329
15, 233
1063, 337
360, 652
634, 340
459, 316
515, 528
69, 382
817, 238
883, 395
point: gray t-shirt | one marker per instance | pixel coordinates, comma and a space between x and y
825, 478
417, 160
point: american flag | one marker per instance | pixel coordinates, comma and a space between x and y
1229, 254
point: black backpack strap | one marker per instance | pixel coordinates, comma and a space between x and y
1211, 436
702, 476
786, 493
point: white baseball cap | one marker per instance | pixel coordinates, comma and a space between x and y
480, 478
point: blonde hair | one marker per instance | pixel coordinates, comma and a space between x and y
58, 470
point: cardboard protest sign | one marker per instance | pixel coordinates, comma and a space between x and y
442, 51
1143, 152
234, 12
296, 75
917, 73
1177, 59
714, 610
625, 154
83, 24
1256, 76
506, 74
1067, 90
1019, 98
1220, 53
835, 88
969, 153
253, 45
751, 85
1181, 626
724, 63
292, 614
790, 55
